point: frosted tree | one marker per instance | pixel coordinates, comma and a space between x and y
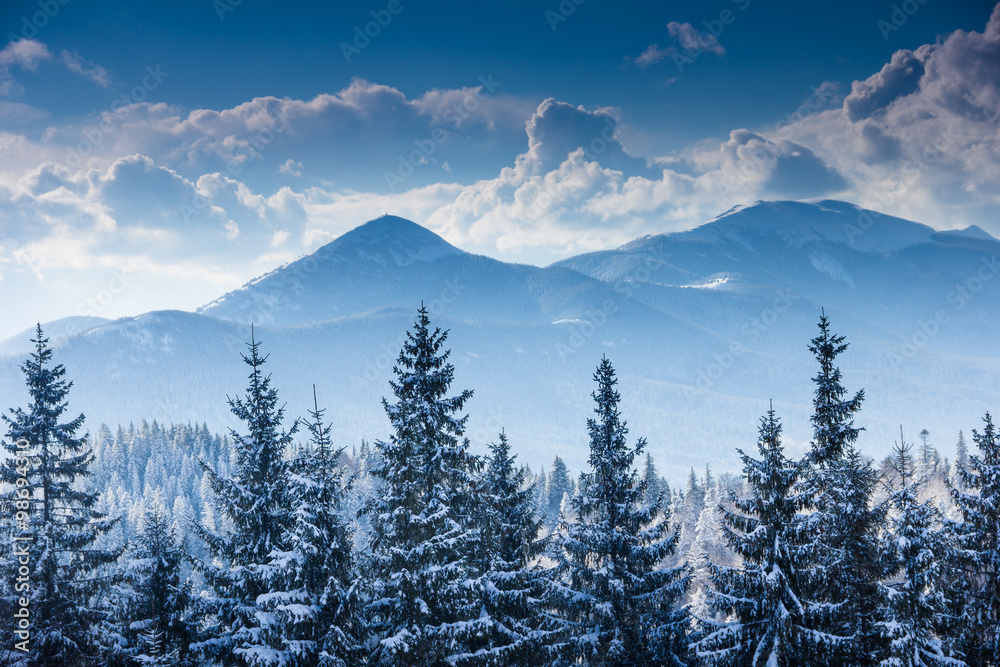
425, 603
708, 547
617, 604
559, 485
961, 458
510, 526
314, 595
978, 550
846, 524
657, 489
255, 502
914, 600
766, 597
149, 608
50, 523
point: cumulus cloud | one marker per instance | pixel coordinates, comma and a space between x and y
199, 194
900, 77
921, 137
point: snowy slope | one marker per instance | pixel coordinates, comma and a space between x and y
703, 326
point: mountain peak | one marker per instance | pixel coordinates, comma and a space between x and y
973, 232
401, 239
799, 222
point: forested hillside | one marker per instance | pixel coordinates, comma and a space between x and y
275, 545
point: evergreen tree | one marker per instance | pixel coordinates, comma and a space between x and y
961, 455
149, 620
978, 551
930, 460
314, 595
51, 524
616, 603
509, 526
846, 525
657, 489
559, 485
425, 603
915, 602
766, 596
255, 501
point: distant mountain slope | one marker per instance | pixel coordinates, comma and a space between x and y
56, 331
703, 326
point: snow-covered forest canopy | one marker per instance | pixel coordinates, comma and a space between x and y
272, 545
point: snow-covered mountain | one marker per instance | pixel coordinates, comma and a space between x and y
704, 327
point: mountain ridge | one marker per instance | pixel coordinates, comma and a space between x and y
703, 327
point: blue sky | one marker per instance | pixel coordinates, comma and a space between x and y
193, 145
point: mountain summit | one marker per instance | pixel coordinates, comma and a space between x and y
388, 238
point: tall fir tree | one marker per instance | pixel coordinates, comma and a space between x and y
961, 456
255, 500
914, 599
764, 601
657, 489
51, 525
315, 597
846, 524
617, 604
509, 526
425, 601
559, 485
978, 550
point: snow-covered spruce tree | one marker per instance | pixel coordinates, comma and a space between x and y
509, 526
844, 522
50, 524
559, 485
425, 603
766, 597
914, 601
314, 594
617, 605
255, 500
149, 608
978, 550
657, 489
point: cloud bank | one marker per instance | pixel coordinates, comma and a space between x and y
209, 197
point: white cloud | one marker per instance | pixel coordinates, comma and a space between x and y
196, 195
29, 53
74, 62
688, 42
25, 53
290, 167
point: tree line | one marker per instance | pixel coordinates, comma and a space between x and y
449, 558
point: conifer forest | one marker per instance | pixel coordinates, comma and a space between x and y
274, 545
